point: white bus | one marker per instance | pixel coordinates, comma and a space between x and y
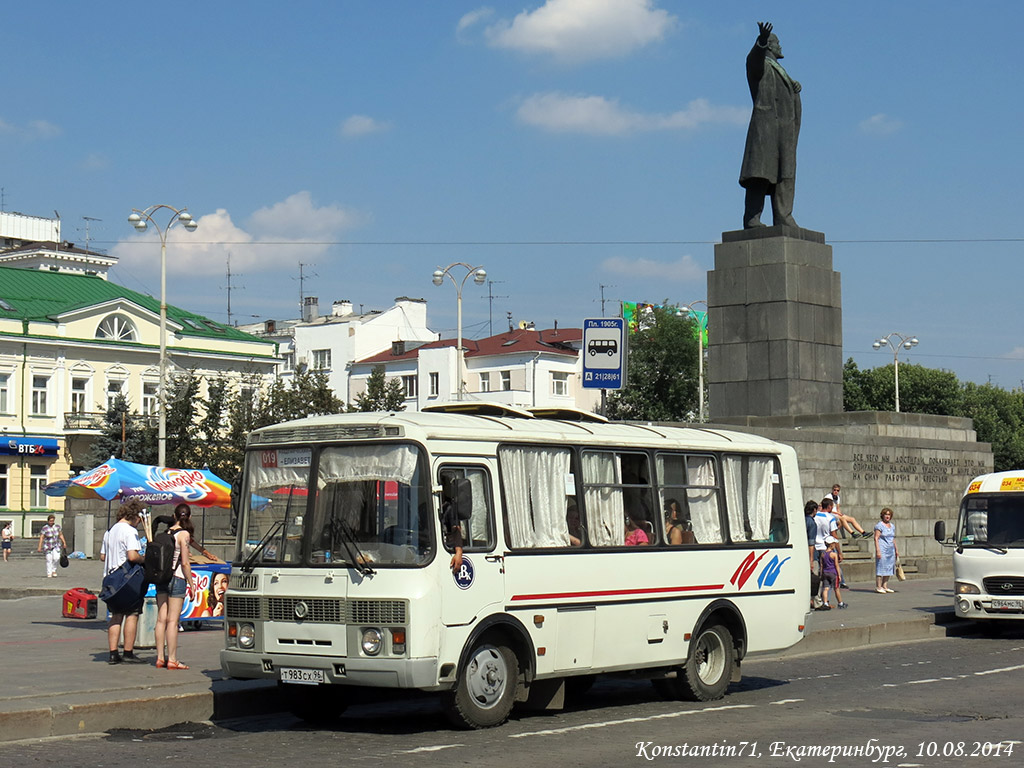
344, 575
988, 559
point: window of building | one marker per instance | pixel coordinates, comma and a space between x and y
410, 386
3, 485
40, 389
288, 361
321, 359
150, 398
559, 383
5, 392
115, 387
37, 481
116, 328
435, 384
506, 381
78, 401
485, 382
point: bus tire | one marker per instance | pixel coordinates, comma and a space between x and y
321, 705
486, 689
708, 669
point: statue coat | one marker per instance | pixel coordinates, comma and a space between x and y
770, 152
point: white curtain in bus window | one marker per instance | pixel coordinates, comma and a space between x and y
535, 494
479, 528
702, 498
748, 496
368, 462
606, 523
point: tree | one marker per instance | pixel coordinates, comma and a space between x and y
125, 435
998, 419
922, 390
661, 370
185, 447
380, 395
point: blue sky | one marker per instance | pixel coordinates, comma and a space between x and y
563, 145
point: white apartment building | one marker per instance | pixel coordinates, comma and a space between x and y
331, 342
523, 367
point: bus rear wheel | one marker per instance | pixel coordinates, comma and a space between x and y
486, 688
708, 669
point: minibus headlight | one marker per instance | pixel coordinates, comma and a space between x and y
963, 588
373, 639
246, 635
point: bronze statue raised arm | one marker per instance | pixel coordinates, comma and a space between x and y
769, 158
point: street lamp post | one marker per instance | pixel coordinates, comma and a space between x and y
901, 342
139, 219
700, 355
479, 276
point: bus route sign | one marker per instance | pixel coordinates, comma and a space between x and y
604, 353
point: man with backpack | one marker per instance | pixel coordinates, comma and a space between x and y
121, 544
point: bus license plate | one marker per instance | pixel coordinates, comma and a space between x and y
1007, 605
302, 676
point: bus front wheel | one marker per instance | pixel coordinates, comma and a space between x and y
708, 669
486, 688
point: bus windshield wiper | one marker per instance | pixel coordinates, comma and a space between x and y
250, 559
342, 531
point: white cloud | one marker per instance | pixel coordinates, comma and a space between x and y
362, 125
276, 237
471, 19
880, 125
33, 129
94, 161
681, 271
580, 30
596, 115
1017, 353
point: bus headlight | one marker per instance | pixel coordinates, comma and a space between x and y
963, 588
246, 636
373, 639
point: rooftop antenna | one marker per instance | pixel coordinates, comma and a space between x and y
87, 220
56, 232
229, 287
302, 285
490, 305
602, 297
3, 199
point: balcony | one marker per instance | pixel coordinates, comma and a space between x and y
90, 423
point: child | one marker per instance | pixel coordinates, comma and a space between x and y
830, 573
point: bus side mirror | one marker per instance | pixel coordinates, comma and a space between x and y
459, 493
940, 531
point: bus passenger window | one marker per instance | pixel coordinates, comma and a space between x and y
572, 522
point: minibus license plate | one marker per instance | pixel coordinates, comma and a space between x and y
302, 676
1007, 605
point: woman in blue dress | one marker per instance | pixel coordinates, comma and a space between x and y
886, 552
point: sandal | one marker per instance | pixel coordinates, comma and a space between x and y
160, 663
176, 665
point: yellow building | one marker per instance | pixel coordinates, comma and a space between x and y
70, 341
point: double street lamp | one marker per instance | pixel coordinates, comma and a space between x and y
139, 219
689, 308
479, 276
896, 342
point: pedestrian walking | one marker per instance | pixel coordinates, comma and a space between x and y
51, 542
7, 537
171, 596
886, 552
120, 544
830, 574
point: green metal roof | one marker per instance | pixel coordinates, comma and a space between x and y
32, 294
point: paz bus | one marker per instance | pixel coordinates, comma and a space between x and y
347, 576
988, 555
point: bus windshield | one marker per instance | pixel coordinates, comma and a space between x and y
995, 520
370, 507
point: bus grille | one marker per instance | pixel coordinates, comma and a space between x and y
244, 581
1004, 585
376, 612
238, 607
324, 610
320, 610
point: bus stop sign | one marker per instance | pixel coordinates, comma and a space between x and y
604, 353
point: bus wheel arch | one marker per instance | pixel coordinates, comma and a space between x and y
716, 646
494, 671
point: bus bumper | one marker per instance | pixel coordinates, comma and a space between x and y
375, 673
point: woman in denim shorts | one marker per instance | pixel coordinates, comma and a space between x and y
171, 596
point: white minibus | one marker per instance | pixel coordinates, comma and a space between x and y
988, 555
587, 547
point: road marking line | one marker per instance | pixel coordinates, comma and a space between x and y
958, 677
437, 748
628, 720
786, 701
997, 671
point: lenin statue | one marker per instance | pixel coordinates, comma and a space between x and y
769, 158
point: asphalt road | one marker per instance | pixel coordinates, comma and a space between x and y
942, 702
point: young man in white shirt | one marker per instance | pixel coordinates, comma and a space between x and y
121, 543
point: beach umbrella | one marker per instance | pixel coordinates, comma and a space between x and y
123, 480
